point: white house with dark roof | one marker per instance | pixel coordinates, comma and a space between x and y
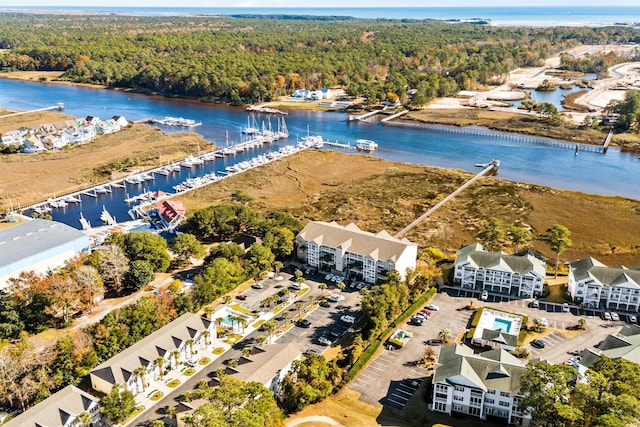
595, 285
485, 385
38, 245
61, 409
623, 345
360, 254
520, 275
136, 369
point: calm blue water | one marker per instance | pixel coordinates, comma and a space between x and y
616, 173
539, 16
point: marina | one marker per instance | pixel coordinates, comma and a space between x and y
524, 158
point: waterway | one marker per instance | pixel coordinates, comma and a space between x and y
615, 173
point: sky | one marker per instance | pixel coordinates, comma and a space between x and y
308, 3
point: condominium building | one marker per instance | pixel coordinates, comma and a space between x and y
520, 275
597, 286
484, 385
359, 254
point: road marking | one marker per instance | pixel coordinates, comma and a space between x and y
402, 405
403, 391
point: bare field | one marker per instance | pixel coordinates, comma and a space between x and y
27, 178
377, 194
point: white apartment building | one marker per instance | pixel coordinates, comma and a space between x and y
520, 275
359, 254
595, 285
484, 385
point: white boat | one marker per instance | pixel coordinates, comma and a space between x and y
251, 128
481, 165
102, 190
179, 121
43, 209
366, 145
188, 161
147, 177
72, 199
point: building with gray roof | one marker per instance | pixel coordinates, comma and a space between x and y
520, 275
136, 369
38, 245
485, 385
360, 254
61, 409
595, 285
623, 345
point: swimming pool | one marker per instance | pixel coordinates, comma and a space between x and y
503, 324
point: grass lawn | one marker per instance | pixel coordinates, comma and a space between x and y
233, 338
218, 350
189, 371
557, 292
204, 361
173, 383
157, 395
241, 309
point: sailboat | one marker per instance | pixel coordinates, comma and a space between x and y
251, 128
576, 149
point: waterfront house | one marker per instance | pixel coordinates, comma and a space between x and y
38, 245
519, 275
595, 285
485, 385
171, 212
106, 127
61, 409
55, 141
92, 120
13, 137
32, 144
359, 254
120, 121
137, 368
300, 93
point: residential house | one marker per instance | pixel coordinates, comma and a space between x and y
92, 120
106, 127
55, 141
360, 254
623, 345
140, 366
485, 385
300, 93
32, 144
120, 121
61, 409
171, 212
595, 285
38, 245
519, 275
13, 137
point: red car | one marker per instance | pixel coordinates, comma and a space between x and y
241, 297
427, 312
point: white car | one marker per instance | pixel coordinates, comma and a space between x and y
334, 298
484, 296
565, 308
606, 315
328, 277
542, 321
615, 317
432, 307
296, 286
325, 341
348, 319
257, 286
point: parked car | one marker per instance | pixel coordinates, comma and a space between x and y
241, 297
296, 286
606, 315
257, 286
535, 303
427, 312
192, 362
615, 317
484, 296
328, 277
335, 334
310, 351
411, 382
432, 307
633, 319
348, 319
542, 321
417, 320
538, 344
324, 341
565, 307
421, 315
325, 304
303, 323
334, 297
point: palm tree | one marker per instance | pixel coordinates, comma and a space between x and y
159, 363
141, 373
246, 352
261, 340
270, 327
323, 287
341, 285
208, 311
286, 315
176, 357
190, 343
277, 265
85, 419
243, 323
226, 299
206, 334
582, 324
299, 305
444, 335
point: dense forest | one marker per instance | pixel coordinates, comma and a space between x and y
240, 60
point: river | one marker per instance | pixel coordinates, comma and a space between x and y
615, 173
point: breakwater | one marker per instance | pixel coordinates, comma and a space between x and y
505, 136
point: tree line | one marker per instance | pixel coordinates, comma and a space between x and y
242, 60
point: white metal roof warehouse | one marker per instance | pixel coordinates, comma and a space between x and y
38, 245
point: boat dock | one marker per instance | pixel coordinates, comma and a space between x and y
394, 116
490, 169
363, 117
607, 141
59, 107
339, 145
264, 108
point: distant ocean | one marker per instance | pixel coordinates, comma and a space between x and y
534, 16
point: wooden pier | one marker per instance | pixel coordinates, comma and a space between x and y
394, 116
607, 141
364, 117
490, 169
59, 107
339, 145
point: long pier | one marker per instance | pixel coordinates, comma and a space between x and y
363, 117
490, 169
507, 136
394, 116
607, 141
339, 145
59, 107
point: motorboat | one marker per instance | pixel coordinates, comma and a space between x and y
366, 145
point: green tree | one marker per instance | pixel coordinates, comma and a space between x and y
116, 406
492, 235
519, 236
280, 241
270, 327
309, 381
112, 263
259, 258
140, 274
558, 239
145, 246
186, 246
11, 323
445, 336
